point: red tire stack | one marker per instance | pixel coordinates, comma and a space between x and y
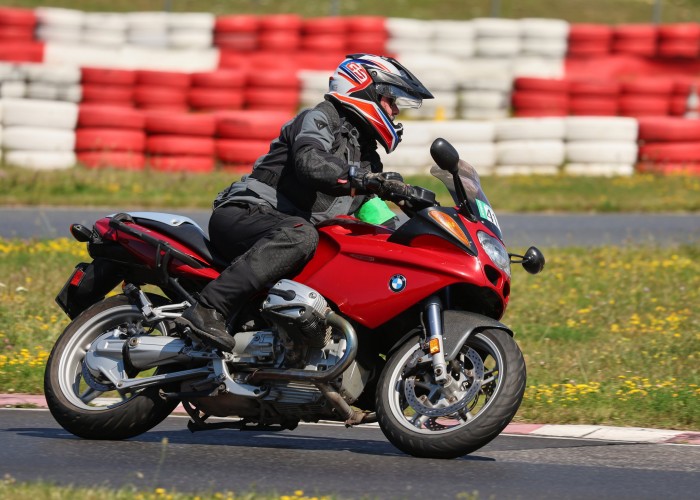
645, 97
110, 136
280, 33
180, 142
593, 98
276, 88
534, 97
217, 90
669, 145
324, 34
635, 39
108, 86
162, 90
17, 36
681, 100
237, 32
679, 40
366, 34
243, 136
589, 40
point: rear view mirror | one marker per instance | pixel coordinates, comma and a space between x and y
445, 155
532, 261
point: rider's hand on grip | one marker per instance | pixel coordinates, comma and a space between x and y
387, 185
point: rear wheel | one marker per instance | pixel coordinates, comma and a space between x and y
422, 419
89, 406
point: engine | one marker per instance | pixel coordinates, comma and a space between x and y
299, 339
299, 313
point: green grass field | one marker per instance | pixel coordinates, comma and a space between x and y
150, 189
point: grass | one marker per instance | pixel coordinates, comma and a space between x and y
152, 189
13, 490
601, 11
609, 334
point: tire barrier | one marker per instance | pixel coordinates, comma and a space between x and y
195, 62
600, 146
633, 97
669, 145
100, 135
243, 136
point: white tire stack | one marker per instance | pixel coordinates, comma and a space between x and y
191, 30
473, 140
412, 156
601, 146
453, 38
437, 73
53, 82
147, 28
314, 84
495, 37
409, 37
12, 84
485, 89
1, 130
544, 37
529, 146
104, 29
39, 134
59, 25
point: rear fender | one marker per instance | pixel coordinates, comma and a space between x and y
459, 325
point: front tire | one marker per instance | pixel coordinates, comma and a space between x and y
83, 410
420, 420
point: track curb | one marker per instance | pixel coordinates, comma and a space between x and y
589, 432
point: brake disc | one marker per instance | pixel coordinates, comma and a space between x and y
477, 376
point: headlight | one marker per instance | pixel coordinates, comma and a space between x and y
495, 250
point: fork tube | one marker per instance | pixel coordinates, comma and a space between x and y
434, 325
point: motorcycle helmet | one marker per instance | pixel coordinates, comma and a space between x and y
358, 85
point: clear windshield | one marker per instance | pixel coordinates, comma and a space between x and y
478, 202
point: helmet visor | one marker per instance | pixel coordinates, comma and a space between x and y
402, 98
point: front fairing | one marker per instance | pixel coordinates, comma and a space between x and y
478, 202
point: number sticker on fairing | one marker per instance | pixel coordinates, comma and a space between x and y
487, 213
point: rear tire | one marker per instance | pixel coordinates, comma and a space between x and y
72, 402
492, 398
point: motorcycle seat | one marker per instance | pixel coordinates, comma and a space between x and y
190, 235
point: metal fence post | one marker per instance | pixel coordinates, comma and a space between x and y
495, 8
656, 13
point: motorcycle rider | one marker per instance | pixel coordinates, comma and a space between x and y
323, 164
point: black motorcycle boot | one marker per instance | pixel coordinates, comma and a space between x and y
209, 327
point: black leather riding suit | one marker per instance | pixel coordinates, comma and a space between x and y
264, 223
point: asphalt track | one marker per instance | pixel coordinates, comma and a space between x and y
519, 230
323, 459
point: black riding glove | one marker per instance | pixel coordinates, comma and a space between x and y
387, 185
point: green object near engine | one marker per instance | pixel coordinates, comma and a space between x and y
375, 211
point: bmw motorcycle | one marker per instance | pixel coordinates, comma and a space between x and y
399, 327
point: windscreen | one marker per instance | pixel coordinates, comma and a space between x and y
478, 202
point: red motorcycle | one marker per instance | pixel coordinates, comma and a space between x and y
395, 326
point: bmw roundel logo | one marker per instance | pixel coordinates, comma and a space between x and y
397, 283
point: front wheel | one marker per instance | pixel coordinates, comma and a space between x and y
89, 407
423, 419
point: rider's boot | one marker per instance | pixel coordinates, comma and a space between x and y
209, 326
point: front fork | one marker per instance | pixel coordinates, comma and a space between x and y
436, 347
